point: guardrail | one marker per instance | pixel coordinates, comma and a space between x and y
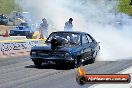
8, 47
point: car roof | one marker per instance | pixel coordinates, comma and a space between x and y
70, 32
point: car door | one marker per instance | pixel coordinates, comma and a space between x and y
86, 47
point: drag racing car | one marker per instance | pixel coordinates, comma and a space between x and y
22, 30
3, 20
66, 48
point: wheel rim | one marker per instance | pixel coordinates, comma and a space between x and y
80, 62
76, 63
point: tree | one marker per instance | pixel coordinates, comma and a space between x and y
130, 3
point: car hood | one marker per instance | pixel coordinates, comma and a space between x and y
47, 47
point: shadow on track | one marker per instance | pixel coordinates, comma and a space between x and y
51, 66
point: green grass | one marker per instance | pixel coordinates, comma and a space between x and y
125, 7
7, 6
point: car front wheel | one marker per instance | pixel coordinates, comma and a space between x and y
37, 63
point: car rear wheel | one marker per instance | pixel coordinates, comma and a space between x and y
37, 63
75, 63
92, 60
93, 56
78, 62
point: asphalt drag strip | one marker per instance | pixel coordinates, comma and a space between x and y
20, 72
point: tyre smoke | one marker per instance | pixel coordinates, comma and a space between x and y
100, 18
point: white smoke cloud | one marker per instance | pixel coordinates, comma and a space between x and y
97, 17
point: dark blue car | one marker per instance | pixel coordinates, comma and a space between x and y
22, 30
3, 20
69, 48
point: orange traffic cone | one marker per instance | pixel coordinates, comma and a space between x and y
6, 34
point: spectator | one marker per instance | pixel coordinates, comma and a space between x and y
68, 25
44, 27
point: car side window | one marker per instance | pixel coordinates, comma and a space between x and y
89, 39
84, 39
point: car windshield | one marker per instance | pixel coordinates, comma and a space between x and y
24, 24
73, 38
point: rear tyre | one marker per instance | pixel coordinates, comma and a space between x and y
38, 64
93, 56
75, 64
92, 60
78, 62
